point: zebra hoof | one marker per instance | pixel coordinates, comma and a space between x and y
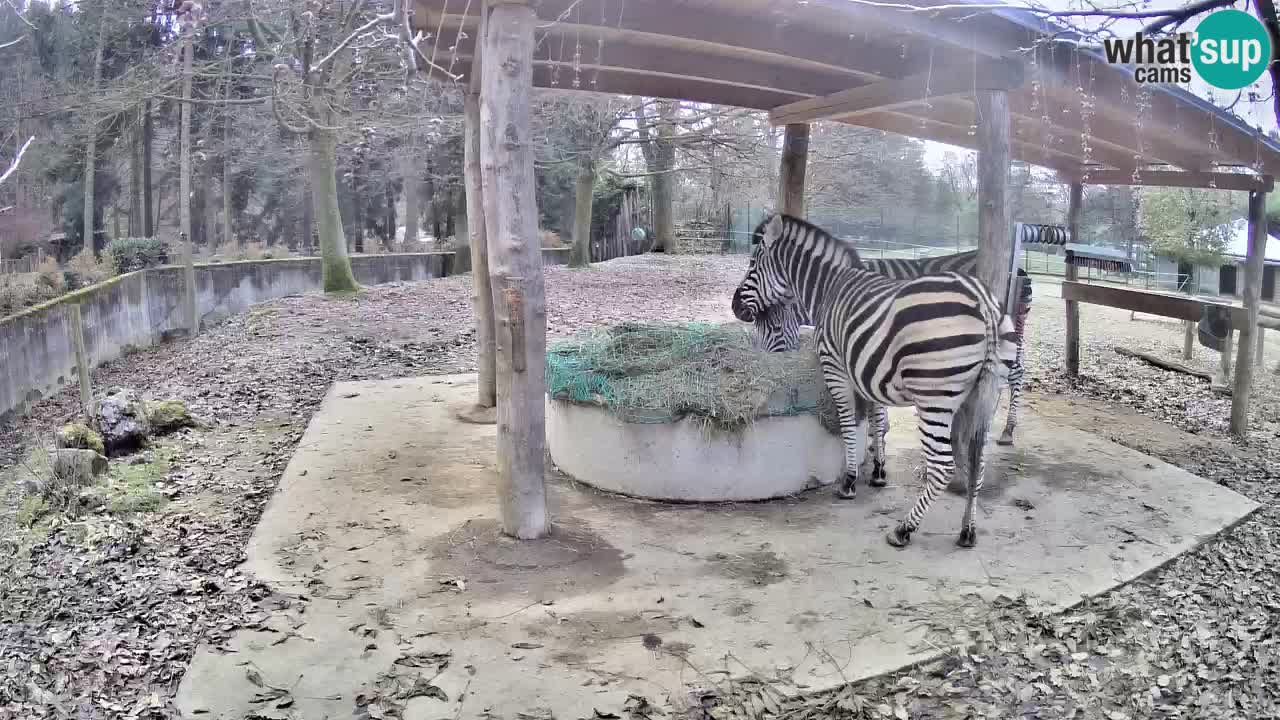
898, 537
1006, 437
968, 537
878, 477
848, 487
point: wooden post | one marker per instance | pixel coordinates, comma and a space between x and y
75, 328
1262, 342
482, 293
190, 315
1073, 273
1252, 296
791, 170
995, 240
515, 265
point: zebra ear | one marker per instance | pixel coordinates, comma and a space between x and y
772, 231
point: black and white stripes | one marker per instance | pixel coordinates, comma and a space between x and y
778, 329
938, 342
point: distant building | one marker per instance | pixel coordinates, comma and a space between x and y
1227, 279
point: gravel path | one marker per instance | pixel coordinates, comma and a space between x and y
99, 618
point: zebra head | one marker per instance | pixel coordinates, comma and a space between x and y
765, 285
777, 329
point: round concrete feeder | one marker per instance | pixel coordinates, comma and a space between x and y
687, 460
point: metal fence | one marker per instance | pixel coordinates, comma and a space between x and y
24, 264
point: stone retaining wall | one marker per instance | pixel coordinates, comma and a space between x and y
140, 309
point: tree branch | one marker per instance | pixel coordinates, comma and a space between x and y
13, 167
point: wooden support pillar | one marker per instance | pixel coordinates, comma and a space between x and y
75, 329
995, 237
1252, 296
515, 265
482, 292
1261, 345
1074, 203
791, 171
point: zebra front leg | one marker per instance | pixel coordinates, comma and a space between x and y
935, 436
851, 411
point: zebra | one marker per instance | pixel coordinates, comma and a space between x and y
778, 330
939, 342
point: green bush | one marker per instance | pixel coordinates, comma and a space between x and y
129, 254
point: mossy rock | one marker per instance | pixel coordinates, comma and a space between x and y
80, 436
166, 416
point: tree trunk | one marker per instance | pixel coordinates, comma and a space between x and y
308, 241
389, 215
411, 179
336, 273
226, 156
660, 156
357, 205
580, 256
511, 219
450, 204
148, 219
184, 152
88, 226
136, 221
482, 297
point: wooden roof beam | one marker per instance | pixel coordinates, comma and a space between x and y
1175, 120
628, 56
887, 94
1123, 136
1030, 131
1169, 178
963, 35
667, 23
892, 121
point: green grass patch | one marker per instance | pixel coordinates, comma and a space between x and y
32, 510
132, 489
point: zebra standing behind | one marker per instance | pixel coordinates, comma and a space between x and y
778, 330
939, 343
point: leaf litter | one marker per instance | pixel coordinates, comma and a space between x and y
99, 618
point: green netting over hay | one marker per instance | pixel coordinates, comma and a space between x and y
652, 372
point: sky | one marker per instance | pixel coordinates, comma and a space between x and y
1256, 114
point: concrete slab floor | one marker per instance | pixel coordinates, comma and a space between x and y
385, 521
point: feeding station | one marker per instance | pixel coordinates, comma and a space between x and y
689, 413
1003, 82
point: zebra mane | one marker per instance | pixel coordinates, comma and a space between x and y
795, 227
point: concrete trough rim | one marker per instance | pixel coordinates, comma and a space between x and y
679, 461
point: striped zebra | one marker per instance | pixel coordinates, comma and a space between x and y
778, 330
938, 342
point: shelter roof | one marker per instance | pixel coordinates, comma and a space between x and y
907, 71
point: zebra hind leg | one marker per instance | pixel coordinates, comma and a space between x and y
935, 435
851, 410
970, 442
880, 422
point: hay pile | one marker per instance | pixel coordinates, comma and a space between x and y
653, 372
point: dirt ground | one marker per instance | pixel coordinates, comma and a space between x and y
99, 618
